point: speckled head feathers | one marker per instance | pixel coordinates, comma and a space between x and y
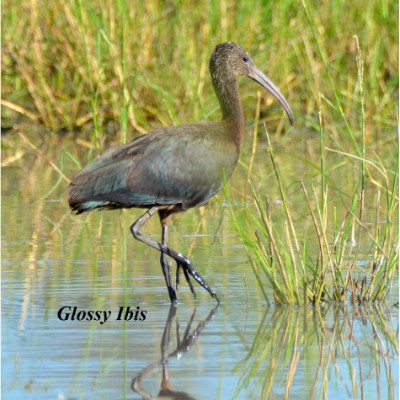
230, 59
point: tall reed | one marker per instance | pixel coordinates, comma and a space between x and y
341, 258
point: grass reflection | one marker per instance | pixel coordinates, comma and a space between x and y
321, 352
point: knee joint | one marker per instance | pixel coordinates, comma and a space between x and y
135, 231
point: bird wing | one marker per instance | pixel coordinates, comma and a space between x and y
185, 165
177, 165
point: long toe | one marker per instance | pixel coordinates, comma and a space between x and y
189, 270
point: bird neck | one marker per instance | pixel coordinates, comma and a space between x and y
231, 107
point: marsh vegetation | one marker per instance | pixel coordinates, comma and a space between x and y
302, 244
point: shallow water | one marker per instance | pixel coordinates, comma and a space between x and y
244, 349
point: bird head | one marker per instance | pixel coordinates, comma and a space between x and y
229, 60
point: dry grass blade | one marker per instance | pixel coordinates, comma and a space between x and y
42, 155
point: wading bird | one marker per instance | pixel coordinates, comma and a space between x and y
173, 169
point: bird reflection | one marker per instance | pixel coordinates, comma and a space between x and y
184, 344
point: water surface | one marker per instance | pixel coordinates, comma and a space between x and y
244, 349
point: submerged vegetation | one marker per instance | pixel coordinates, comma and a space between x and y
326, 256
110, 70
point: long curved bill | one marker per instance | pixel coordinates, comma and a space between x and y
260, 78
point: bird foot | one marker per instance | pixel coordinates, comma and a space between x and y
190, 271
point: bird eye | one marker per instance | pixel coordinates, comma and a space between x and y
245, 58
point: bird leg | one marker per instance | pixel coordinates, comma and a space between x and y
164, 215
183, 262
165, 261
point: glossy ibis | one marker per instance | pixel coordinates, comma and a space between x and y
173, 169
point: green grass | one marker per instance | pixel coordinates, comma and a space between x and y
116, 68
351, 257
348, 258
